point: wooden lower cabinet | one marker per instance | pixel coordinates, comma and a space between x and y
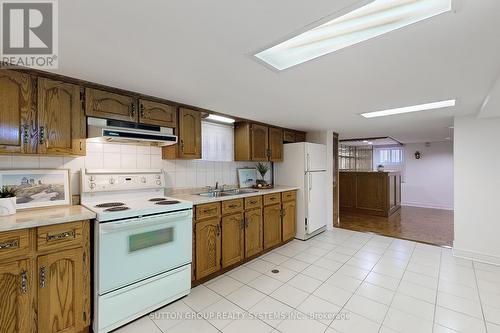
233, 239
60, 283
55, 297
208, 247
272, 225
16, 296
253, 233
289, 220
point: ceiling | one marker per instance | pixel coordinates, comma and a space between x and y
200, 53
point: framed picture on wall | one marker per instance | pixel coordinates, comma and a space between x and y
38, 188
247, 177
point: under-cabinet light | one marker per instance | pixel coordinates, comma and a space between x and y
369, 21
408, 109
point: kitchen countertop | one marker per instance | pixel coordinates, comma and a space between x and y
44, 216
198, 199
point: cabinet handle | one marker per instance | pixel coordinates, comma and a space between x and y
24, 282
206, 211
242, 224
26, 135
218, 230
132, 109
253, 202
246, 223
233, 206
42, 135
12, 244
142, 111
63, 235
42, 277
182, 145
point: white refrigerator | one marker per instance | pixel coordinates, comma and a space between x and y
304, 166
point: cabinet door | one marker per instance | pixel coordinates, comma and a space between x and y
272, 226
208, 247
275, 144
289, 220
153, 113
104, 104
253, 233
61, 119
189, 134
288, 136
61, 292
16, 297
259, 143
233, 239
17, 115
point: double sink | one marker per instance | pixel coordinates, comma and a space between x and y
227, 193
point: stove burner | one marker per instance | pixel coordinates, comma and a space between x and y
110, 204
157, 199
167, 202
116, 209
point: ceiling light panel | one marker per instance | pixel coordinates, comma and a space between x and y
372, 20
408, 109
220, 119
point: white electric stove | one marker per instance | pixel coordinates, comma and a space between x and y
142, 244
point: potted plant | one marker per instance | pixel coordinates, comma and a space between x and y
7, 201
262, 169
380, 168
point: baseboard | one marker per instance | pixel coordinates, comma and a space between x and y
426, 205
476, 256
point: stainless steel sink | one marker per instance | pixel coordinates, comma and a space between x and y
217, 194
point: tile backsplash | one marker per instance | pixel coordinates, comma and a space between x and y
180, 173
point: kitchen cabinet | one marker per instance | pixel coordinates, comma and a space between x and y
289, 220
233, 239
259, 142
208, 247
272, 225
61, 119
17, 113
108, 105
253, 232
188, 146
57, 291
158, 114
275, 144
16, 295
290, 136
60, 301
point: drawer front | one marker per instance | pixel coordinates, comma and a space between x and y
207, 211
270, 199
14, 243
253, 202
60, 235
232, 206
288, 196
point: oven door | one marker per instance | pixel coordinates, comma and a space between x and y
129, 251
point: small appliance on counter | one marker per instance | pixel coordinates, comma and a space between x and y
142, 244
304, 166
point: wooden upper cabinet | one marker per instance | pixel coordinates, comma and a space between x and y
16, 293
272, 225
105, 104
253, 232
289, 220
61, 292
17, 114
259, 142
275, 144
208, 247
233, 239
159, 114
61, 119
188, 146
289, 136
300, 137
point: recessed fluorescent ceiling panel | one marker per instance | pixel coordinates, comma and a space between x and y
221, 119
408, 109
376, 18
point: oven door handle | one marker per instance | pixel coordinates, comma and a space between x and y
164, 219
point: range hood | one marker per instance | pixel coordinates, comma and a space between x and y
115, 131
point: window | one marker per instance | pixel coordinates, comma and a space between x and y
355, 157
217, 142
392, 158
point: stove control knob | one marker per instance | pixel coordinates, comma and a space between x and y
143, 180
92, 178
158, 182
112, 181
158, 177
92, 185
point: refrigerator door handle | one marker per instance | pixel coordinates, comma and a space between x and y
308, 162
310, 185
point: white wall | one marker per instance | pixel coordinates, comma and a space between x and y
180, 174
326, 138
477, 188
428, 182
